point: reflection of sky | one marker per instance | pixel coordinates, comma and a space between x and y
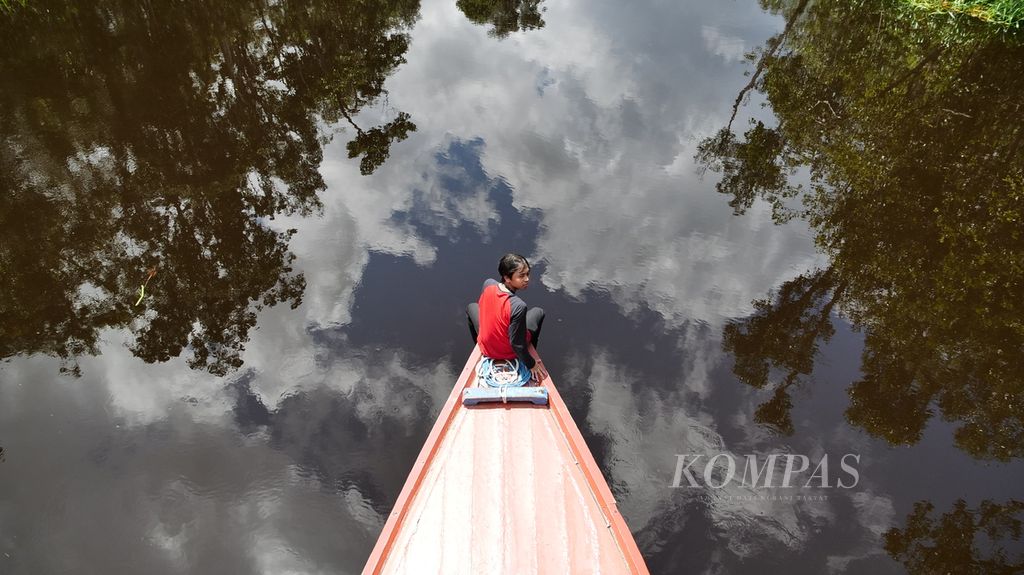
604, 150
573, 145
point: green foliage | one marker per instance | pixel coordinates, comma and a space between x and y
166, 134
914, 147
1005, 13
11, 5
505, 16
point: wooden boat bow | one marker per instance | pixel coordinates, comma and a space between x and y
505, 488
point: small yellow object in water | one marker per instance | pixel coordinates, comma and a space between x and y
142, 289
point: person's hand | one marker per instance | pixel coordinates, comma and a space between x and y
538, 372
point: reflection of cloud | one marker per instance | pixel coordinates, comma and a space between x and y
876, 514
604, 152
286, 360
359, 219
281, 359
332, 251
670, 262
82, 491
112, 468
728, 47
642, 455
141, 393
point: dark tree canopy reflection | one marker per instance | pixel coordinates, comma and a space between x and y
783, 334
964, 541
505, 16
911, 130
164, 135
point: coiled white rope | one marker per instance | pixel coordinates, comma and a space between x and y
502, 374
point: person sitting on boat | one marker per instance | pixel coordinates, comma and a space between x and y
501, 323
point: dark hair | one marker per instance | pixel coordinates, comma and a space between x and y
510, 263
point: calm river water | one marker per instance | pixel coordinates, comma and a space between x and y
236, 242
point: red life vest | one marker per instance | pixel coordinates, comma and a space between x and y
495, 315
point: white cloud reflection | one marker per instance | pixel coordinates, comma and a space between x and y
643, 453
592, 120
731, 48
596, 129
137, 461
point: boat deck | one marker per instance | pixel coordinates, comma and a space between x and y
505, 488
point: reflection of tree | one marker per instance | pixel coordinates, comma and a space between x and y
912, 136
749, 168
506, 16
167, 134
964, 541
783, 335
374, 145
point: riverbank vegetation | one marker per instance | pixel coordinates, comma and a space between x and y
1004, 13
7, 5
899, 138
914, 148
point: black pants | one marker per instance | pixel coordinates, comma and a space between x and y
534, 321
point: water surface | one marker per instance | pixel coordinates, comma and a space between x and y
814, 250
